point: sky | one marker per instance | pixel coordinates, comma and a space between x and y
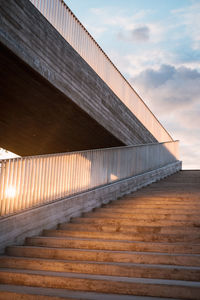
156, 45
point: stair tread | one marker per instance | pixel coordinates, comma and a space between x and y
194, 238
104, 277
98, 219
129, 264
124, 233
145, 211
120, 233
106, 251
109, 240
94, 213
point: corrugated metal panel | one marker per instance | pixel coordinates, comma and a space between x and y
61, 17
30, 181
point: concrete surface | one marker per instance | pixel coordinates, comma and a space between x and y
51, 99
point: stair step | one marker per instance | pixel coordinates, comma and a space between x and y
105, 255
163, 211
168, 194
158, 199
137, 216
135, 205
141, 200
14, 292
127, 229
103, 284
194, 238
83, 243
100, 268
137, 222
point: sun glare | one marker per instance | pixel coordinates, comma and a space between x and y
10, 192
5, 154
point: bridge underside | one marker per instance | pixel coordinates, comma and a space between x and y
36, 118
51, 99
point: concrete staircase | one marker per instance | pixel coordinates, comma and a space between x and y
144, 246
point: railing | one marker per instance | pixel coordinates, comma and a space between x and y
62, 18
31, 181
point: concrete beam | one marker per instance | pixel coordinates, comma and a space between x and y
51, 78
36, 118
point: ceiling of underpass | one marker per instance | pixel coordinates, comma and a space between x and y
35, 118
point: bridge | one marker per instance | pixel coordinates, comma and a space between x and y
62, 92
86, 138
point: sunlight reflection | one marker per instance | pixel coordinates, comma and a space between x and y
113, 177
10, 192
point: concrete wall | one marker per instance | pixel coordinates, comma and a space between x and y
14, 229
36, 118
60, 99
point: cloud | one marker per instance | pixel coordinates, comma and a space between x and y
138, 34
169, 86
114, 16
134, 64
190, 155
189, 17
128, 27
160, 57
173, 94
154, 78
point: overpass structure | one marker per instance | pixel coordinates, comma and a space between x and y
68, 111
84, 135
60, 91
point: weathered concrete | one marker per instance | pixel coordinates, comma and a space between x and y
107, 268
51, 99
104, 255
36, 118
15, 228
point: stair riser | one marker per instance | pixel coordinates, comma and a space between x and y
101, 269
115, 246
100, 256
101, 286
195, 239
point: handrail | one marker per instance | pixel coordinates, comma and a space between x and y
67, 24
27, 182
83, 151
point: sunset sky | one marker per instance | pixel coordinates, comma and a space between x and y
156, 45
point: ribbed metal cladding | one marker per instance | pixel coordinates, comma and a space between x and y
62, 18
31, 181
